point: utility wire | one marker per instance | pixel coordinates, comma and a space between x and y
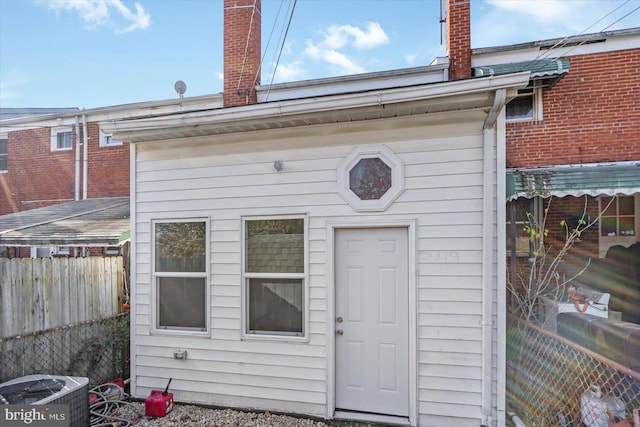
275, 68
255, 80
563, 42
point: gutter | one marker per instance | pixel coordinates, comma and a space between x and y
285, 110
489, 138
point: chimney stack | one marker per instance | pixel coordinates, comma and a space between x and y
242, 50
458, 35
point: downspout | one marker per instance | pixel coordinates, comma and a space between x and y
133, 288
489, 139
76, 193
85, 157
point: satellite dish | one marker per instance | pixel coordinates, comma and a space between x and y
180, 87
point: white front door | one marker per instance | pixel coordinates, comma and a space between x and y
372, 320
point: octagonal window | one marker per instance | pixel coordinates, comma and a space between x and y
370, 179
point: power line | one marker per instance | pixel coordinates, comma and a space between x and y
255, 80
563, 42
275, 68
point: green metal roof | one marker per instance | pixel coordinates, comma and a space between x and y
541, 69
580, 180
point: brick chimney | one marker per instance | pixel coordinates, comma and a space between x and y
242, 50
458, 24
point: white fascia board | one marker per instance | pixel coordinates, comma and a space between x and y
114, 112
127, 130
521, 53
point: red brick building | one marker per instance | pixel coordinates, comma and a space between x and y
573, 140
54, 156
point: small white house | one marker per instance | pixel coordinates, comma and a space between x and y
331, 249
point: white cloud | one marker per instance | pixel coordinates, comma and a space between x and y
541, 10
411, 58
97, 13
337, 59
338, 39
526, 20
289, 72
338, 36
139, 21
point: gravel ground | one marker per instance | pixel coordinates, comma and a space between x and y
197, 416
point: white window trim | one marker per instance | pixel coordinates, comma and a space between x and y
154, 330
605, 242
397, 178
5, 136
244, 295
54, 138
103, 140
537, 107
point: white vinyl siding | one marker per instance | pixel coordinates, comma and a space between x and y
443, 192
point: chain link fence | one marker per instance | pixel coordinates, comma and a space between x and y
97, 349
547, 376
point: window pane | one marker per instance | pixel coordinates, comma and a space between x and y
370, 179
180, 246
108, 140
64, 139
520, 108
3, 145
625, 205
3, 162
608, 227
181, 302
608, 205
276, 305
627, 226
275, 246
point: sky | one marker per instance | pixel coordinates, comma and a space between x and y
96, 53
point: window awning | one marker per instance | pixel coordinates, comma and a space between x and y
546, 71
574, 180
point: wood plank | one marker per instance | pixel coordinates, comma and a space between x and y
49, 308
27, 308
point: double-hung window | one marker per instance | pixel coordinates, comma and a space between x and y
526, 106
180, 274
61, 138
4, 154
274, 276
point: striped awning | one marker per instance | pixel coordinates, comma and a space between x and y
550, 70
574, 180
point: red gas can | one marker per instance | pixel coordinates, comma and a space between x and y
159, 403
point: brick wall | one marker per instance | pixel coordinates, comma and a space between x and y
458, 38
36, 175
242, 19
39, 177
108, 173
591, 115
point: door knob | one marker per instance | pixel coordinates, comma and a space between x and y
339, 319
339, 332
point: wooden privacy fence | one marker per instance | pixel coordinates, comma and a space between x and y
43, 293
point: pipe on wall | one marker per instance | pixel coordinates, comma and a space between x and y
489, 250
85, 156
76, 192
